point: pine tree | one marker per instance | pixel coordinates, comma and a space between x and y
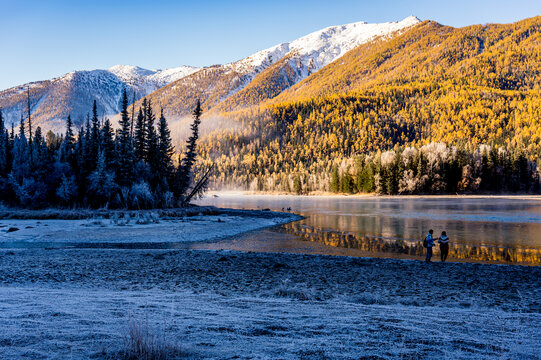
297, 184
124, 168
151, 140
94, 140
3, 147
101, 184
67, 149
67, 190
39, 150
21, 128
346, 183
165, 149
108, 144
69, 139
184, 175
78, 155
140, 133
87, 165
21, 157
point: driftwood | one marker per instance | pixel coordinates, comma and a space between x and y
198, 187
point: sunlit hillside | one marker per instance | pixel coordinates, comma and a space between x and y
469, 88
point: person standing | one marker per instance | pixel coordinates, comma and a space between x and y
444, 246
429, 241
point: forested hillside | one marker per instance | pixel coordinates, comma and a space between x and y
436, 109
506, 57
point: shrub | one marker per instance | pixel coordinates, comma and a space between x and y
140, 196
141, 343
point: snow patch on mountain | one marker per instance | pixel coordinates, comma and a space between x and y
322, 47
135, 75
73, 93
312, 52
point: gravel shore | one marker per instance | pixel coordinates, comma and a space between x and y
224, 304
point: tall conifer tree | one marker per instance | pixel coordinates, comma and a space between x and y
140, 131
124, 151
185, 169
165, 149
67, 148
151, 142
94, 136
3, 146
108, 144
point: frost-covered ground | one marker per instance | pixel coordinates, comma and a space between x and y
139, 227
77, 303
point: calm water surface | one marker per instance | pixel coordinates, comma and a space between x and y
493, 229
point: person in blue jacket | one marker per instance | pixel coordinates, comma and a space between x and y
429, 245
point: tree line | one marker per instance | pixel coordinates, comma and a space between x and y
130, 167
474, 88
492, 142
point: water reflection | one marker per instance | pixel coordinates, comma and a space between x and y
496, 229
392, 247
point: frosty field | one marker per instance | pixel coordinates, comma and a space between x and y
74, 288
78, 303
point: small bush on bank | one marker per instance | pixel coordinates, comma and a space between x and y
143, 343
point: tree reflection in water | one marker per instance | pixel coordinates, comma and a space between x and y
374, 244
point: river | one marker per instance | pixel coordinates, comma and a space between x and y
482, 229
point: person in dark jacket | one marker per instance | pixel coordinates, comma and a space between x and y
444, 246
429, 245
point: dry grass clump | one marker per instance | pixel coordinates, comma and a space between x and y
143, 343
288, 289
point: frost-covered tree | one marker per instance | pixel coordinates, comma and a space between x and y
101, 183
67, 190
140, 196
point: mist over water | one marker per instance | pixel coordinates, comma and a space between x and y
493, 229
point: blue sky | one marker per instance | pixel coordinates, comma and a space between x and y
47, 38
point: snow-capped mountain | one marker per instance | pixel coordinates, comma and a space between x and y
305, 56
73, 93
136, 76
266, 73
246, 82
322, 47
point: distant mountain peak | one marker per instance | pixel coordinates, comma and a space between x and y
130, 71
74, 92
334, 41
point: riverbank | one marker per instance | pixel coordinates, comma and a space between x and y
109, 227
221, 304
321, 194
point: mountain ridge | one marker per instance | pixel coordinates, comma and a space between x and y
306, 55
176, 90
72, 93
